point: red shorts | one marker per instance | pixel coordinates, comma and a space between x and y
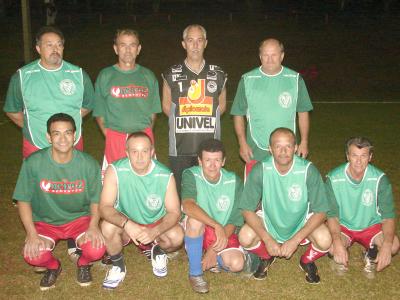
142, 246
71, 230
364, 237
115, 145
28, 148
209, 239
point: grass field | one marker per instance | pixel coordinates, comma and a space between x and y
356, 61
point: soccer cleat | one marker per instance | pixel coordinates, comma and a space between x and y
39, 270
113, 277
49, 279
262, 269
147, 253
311, 272
83, 276
199, 285
370, 267
159, 261
74, 254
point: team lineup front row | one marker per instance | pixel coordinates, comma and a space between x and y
227, 226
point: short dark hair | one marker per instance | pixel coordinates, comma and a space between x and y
60, 117
211, 145
136, 135
48, 29
283, 130
126, 31
360, 142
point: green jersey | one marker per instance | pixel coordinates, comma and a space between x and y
219, 200
58, 193
287, 199
141, 197
269, 102
359, 205
40, 93
126, 99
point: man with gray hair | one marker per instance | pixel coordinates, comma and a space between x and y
194, 98
362, 210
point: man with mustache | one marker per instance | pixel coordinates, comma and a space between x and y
126, 97
44, 87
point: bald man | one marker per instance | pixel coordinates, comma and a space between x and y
269, 96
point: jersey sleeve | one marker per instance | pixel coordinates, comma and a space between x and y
94, 186
188, 188
385, 199
303, 101
252, 191
167, 77
333, 206
316, 191
155, 98
88, 92
239, 106
236, 217
99, 97
25, 183
14, 101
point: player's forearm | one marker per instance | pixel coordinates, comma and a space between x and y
25, 213
166, 99
167, 222
240, 129
255, 223
94, 215
388, 230
100, 123
304, 126
334, 229
17, 118
192, 210
111, 215
229, 229
316, 220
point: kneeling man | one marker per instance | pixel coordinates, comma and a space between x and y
210, 198
58, 190
139, 203
293, 208
362, 210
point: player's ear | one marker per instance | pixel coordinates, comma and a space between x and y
199, 160
223, 161
38, 49
295, 148
205, 44
48, 137
282, 56
138, 49
183, 45
370, 157
115, 49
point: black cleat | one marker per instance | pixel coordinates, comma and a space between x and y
83, 276
262, 269
49, 279
311, 272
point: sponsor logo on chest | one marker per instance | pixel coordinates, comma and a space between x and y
62, 187
223, 203
285, 100
295, 192
129, 91
153, 202
196, 102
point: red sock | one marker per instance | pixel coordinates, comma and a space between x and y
312, 254
260, 251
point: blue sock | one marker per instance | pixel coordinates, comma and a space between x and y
194, 249
221, 263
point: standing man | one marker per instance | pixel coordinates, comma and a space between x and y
269, 96
210, 200
293, 208
362, 210
44, 87
139, 203
127, 97
58, 191
194, 98
47, 86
